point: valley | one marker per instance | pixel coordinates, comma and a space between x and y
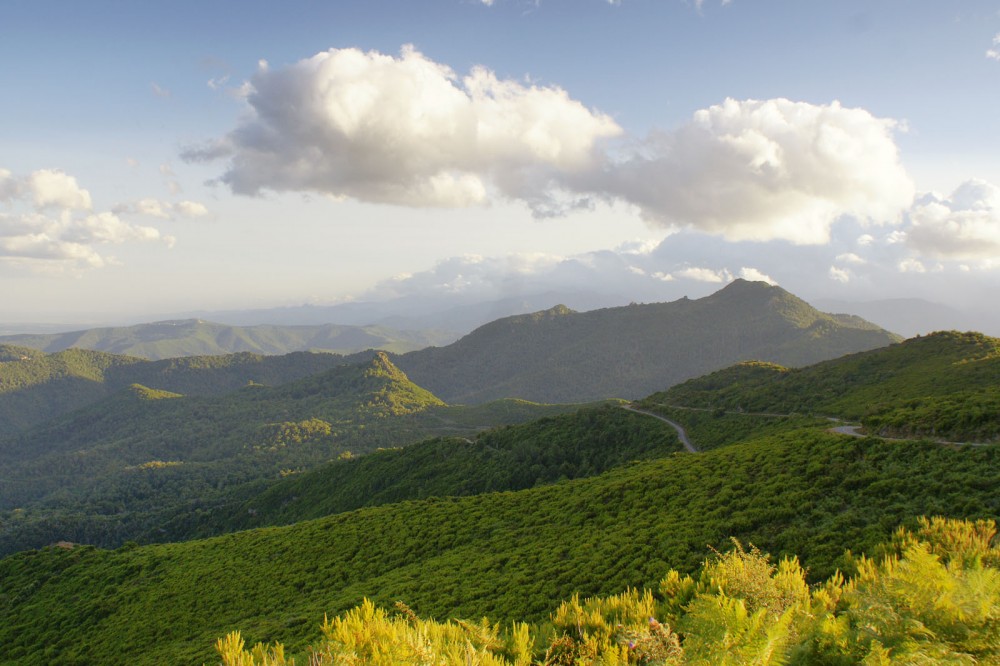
178, 518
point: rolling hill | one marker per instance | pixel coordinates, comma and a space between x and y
504, 555
36, 387
944, 386
110, 471
563, 356
195, 337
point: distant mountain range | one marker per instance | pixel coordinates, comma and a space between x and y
196, 337
559, 355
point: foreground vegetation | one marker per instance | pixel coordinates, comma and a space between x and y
931, 596
504, 555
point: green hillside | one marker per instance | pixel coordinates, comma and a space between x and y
121, 468
506, 555
584, 443
563, 356
944, 386
36, 387
195, 337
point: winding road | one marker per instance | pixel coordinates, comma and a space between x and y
681, 433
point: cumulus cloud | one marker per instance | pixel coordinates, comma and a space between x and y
764, 170
50, 224
46, 188
965, 225
405, 130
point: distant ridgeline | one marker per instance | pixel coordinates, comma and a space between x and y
628, 352
195, 337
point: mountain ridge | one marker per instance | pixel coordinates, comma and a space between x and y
558, 355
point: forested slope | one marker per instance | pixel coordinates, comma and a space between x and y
583, 443
505, 555
118, 469
36, 387
945, 386
563, 356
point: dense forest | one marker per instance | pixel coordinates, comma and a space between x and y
504, 555
124, 468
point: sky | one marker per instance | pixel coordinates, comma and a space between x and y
170, 157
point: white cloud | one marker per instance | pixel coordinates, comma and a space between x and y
52, 228
965, 225
764, 170
158, 90
165, 210
839, 274
911, 265
850, 258
190, 209
703, 274
994, 53
46, 188
755, 275
406, 130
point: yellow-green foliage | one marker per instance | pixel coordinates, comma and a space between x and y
934, 598
369, 635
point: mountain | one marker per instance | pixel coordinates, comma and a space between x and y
127, 464
35, 386
559, 355
195, 337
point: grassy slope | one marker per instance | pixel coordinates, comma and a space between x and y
508, 555
627, 352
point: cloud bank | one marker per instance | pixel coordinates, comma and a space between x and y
409, 131
47, 223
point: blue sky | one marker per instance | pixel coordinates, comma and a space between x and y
151, 163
